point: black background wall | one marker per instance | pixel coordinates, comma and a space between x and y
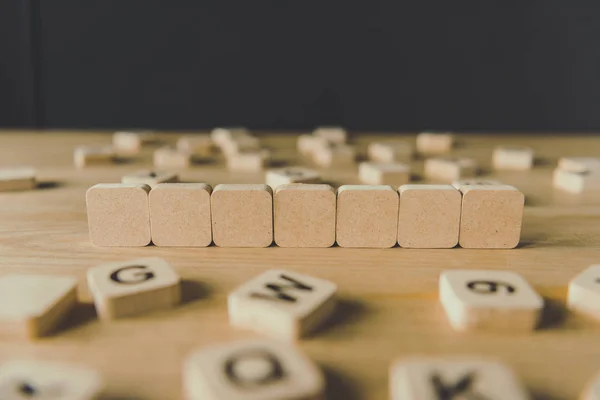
378, 64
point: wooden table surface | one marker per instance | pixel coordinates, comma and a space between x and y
389, 305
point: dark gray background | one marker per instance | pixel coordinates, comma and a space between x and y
378, 64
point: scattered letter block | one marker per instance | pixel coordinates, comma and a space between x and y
333, 134
579, 164
122, 289
492, 301
334, 155
429, 216
32, 306
307, 144
23, 379
584, 292
513, 158
390, 151
252, 369
248, 160
131, 142
434, 143
150, 178
450, 168
220, 136
118, 214
384, 174
241, 144
17, 178
304, 215
196, 145
576, 182
85, 156
367, 216
242, 215
180, 214
491, 217
468, 378
282, 304
170, 157
284, 176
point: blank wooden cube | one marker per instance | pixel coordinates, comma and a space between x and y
492, 301
17, 178
282, 304
131, 142
390, 151
584, 292
199, 145
474, 182
222, 135
248, 160
118, 214
450, 168
28, 379
335, 156
180, 214
85, 156
123, 289
251, 369
491, 217
32, 306
434, 142
579, 164
170, 157
394, 174
333, 134
367, 216
576, 182
284, 176
453, 378
512, 158
304, 215
429, 216
150, 178
242, 215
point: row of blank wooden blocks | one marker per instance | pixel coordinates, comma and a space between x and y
305, 215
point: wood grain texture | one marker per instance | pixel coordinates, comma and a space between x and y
389, 306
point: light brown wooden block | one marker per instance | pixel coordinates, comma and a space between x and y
390, 151
252, 369
180, 214
512, 158
28, 379
222, 135
450, 168
304, 215
240, 144
576, 182
199, 145
579, 164
170, 157
453, 378
32, 306
284, 176
131, 142
150, 178
584, 292
592, 389
492, 301
333, 134
17, 178
491, 217
306, 144
434, 142
334, 155
123, 289
85, 156
118, 214
242, 215
367, 216
474, 182
429, 216
248, 160
394, 174
282, 304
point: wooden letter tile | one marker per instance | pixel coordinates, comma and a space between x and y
576, 182
429, 216
242, 215
17, 178
333, 134
122, 289
307, 144
367, 216
199, 145
118, 214
180, 214
513, 158
282, 304
492, 301
85, 156
584, 292
468, 378
149, 177
220, 136
579, 164
170, 157
284, 176
248, 160
25, 379
252, 369
127, 142
450, 168
393, 174
491, 217
390, 151
334, 155
304, 215
32, 306
434, 143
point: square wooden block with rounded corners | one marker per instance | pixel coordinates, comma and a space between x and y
118, 214
198, 145
393, 174
367, 216
304, 215
491, 217
131, 142
512, 158
334, 155
32, 306
491, 301
434, 142
17, 178
283, 304
251, 369
584, 292
429, 216
449, 378
248, 160
29, 379
242, 215
126, 288
450, 168
171, 157
180, 215
390, 151
576, 182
